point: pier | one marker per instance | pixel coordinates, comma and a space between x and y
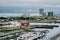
44, 25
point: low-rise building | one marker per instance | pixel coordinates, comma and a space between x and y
4, 22
26, 15
13, 25
23, 22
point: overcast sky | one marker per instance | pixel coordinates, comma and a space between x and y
31, 3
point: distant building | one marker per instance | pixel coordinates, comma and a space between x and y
44, 14
41, 12
26, 15
4, 21
50, 13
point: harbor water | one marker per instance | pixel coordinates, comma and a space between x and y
52, 32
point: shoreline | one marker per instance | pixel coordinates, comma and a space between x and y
18, 14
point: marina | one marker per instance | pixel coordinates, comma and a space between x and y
31, 34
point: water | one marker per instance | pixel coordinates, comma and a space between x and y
51, 33
27, 10
17, 11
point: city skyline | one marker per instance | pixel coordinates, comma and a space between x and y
31, 6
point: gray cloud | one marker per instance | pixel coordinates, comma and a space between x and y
31, 3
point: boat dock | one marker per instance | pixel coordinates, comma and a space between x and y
23, 35
31, 36
44, 25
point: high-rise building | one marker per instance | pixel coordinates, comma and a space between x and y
50, 13
41, 12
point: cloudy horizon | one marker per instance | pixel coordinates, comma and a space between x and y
29, 6
30, 3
